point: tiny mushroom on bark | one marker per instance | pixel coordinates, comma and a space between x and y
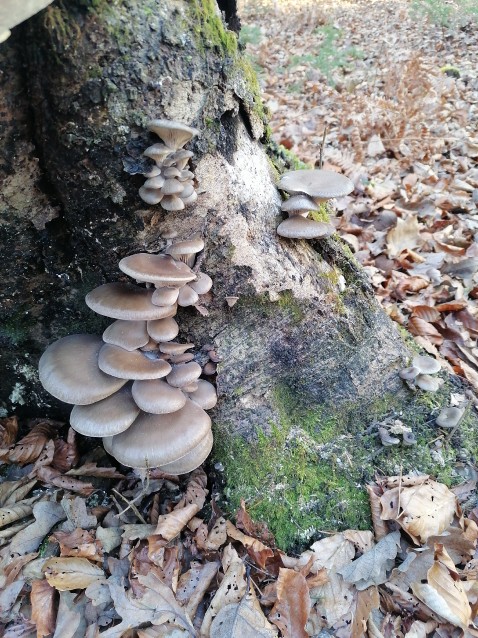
419, 372
450, 417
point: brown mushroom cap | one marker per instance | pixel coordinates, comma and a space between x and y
151, 196
131, 365
126, 301
172, 203
183, 374
107, 417
187, 297
202, 284
129, 335
187, 247
299, 203
69, 371
174, 134
205, 396
158, 397
192, 459
316, 183
165, 296
163, 329
426, 365
159, 439
298, 227
157, 269
175, 348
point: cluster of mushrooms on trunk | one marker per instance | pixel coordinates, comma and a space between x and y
135, 386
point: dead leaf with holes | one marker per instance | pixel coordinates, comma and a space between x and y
256, 548
53, 477
28, 449
292, 608
421, 510
367, 600
193, 585
372, 567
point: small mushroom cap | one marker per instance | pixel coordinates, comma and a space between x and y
187, 297
174, 134
157, 152
156, 269
131, 365
316, 183
205, 396
426, 365
69, 371
159, 439
298, 227
202, 285
408, 373
125, 301
154, 182
449, 417
172, 203
129, 335
180, 358
154, 171
107, 417
386, 438
172, 187
188, 190
157, 397
189, 200
151, 196
192, 459
165, 296
187, 247
409, 438
163, 329
183, 374
171, 171
428, 383
299, 203
175, 348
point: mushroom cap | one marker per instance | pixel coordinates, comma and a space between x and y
154, 182
131, 365
183, 374
426, 365
163, 329
202, 284
297, 227
156, 269
175, 348
187, 247
125, 301
188, 190
107, 417
172, 187
174, 134
157, 397
317, 183
171, 171
129, 335
205, 396
192, 459
189, 200
157, 152
172, 203
408, 373
449, 417
187, 297
165, 296
151, 196
298, 203
69, 371
159, 439
428, 383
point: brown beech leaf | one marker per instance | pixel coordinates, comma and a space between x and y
77, 514
363, 540
10, 567
380, 527
258, 530
422, 328
78, 543
13, 491
71, 573
91, 469
16, 512
71, 621
66, 452
421, 510
452, 306
193, 584
427, 313
170, 525
53, 477
444, 593
42, 599
30, 447
8, 431
291, 611
47, 514
242, 619
196, 491
404, 235
256, 549
367, 600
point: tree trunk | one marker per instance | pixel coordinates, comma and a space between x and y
305, 366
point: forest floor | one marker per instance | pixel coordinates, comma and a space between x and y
87, 550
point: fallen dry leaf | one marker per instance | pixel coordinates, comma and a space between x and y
71, 573
30, 447
242, 619
404, 235
372, 567
53, 477
193, 585
42, 600
47, 514
8, 432
292, 608
367, 600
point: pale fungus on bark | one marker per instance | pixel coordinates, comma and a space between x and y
420, 373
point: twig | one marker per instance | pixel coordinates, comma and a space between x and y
130, 505
321, 151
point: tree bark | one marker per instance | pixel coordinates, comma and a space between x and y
79, 82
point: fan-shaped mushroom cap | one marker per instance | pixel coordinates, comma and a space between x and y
188, 190
154, 182
165, 296
175, 348
163, 329
125, 301
180, 358
107, 417
131, 365
172, 203
299, 203
172, 187
185, 248
449, 417
159, 439
192, 459
428, 383
297, 227
205, 396
157, 397
157, 152
181, 158
186, 175
69, 371
408, 373
426, 365
189, 200
162, 270
318, 183
187, 297
174, 134
150, 346
154, 171
171, 171
129, 335
183, 374
151, 196
202, 284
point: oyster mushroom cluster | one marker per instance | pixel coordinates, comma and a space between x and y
421, 371
308, 189
136, 387
169, 182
